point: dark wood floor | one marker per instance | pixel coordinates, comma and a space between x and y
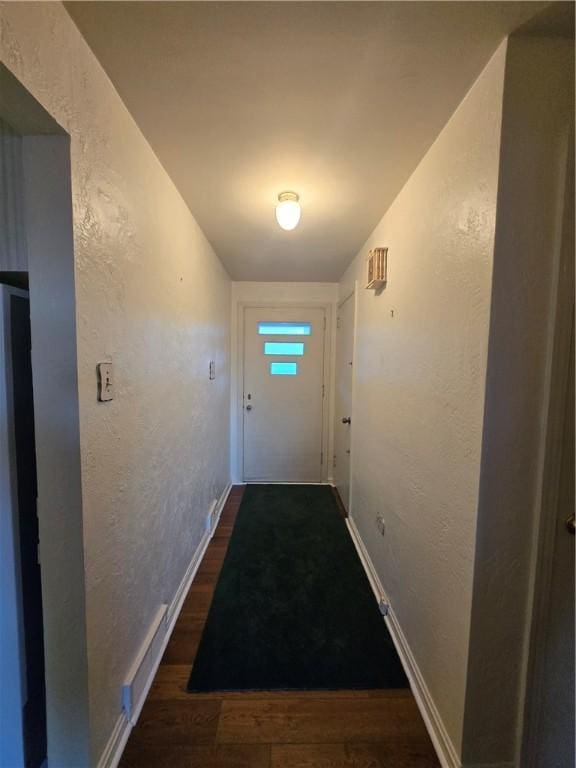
335, 729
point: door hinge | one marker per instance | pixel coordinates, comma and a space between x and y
321, 457
334, 461
338, 322
323, 390
324, 323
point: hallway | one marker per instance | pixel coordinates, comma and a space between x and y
265, 729
287, 250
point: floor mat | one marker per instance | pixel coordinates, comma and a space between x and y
293, 608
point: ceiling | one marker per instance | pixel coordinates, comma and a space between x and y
336, 101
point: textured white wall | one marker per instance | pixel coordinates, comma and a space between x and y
421, 349
527, 304
151, 297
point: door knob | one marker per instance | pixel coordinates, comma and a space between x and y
248, 407
571, 525
346, 420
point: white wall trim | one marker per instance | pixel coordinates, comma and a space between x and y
116, 743
492, 765
442, 743
150, 654
373, 578
143, 669
211, 522
441, 740
352, 294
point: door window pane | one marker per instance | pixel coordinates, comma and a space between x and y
284, 348
284, 329
283, 369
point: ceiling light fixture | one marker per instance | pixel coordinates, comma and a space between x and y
288, 210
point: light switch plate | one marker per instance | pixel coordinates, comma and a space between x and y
105, 383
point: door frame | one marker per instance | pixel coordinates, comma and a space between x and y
13, 656
326, 377
48, 257
352, 294
561, 358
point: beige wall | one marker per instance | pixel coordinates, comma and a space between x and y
421, 349
152, 297
537, 131
452, 392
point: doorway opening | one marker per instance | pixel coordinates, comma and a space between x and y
548, 727
19, 526
45, 716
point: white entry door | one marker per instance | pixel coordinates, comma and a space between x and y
283, 394
343, 410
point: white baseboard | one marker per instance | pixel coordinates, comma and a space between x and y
492, 765
116, 743
141, 673
212, 520
220, 506
283, 482
373, 578
442, 743
144, 668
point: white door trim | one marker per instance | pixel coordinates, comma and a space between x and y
326, 380
355, 297
350, 296
561, 358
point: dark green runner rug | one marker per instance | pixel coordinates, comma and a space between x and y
293, 608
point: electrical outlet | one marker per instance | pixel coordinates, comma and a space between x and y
381, 525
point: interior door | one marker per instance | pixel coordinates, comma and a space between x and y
553, 740
343, 411
283, 394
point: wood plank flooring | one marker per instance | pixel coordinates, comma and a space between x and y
265, 729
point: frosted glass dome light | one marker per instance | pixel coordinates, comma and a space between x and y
288, 210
